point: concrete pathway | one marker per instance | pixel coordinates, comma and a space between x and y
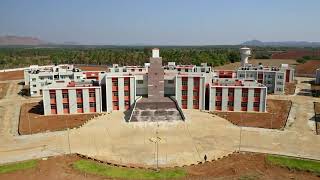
108, 137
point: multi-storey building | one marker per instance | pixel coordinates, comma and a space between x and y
72, 99
237, 95
189, 86
37, 77
272, 77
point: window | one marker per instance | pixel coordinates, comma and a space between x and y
126, 103
280, 77
184, 102
244, 93
196, 83
195, 93
65, 106
124, 70
33, 79
114, 82
184, 83
230, 103
79, 95
132, 70
139, 81
279, 89
218, 103
92, 94
34, 85
184, 93
140, 70
41, 78
244, 104
65, 95
78, 77
52, 96
79, 105
195, 102
116, 70
279, 83
230, 92
92, 104
241, 75
53, 106
219, 93
126, 93
115, 93
256, 104
202, 70
256, 94
170, 81
115, 103
126, 82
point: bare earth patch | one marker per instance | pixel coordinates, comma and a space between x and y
290, 88
275, 117
308, 69
3, 89
32, 120
11, 75
234, 167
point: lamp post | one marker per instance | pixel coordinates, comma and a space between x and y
156, 140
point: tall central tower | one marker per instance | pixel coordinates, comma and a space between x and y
155, 76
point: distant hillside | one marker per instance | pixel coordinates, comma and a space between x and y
19, 40
283, 43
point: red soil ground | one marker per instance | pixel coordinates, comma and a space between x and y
290, 88
12, 75
295, 54
237, 166
93, 68
275, 117
308, 69
32, 121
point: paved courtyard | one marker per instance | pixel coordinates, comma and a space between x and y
108, 137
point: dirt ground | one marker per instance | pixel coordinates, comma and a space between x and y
308, 69
237, 166
33, 121
11, 75
3, 89
275, 117
265, 62
290, 88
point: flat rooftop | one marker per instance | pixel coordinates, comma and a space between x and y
235, 82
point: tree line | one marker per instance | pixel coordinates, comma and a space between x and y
21, 57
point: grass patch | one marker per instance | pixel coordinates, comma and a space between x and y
18, 166
294, 163
126, 173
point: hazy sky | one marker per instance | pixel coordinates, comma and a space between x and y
189, 22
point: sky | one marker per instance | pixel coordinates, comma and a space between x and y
161, 22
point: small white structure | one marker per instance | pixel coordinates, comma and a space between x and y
155, 53
245, 53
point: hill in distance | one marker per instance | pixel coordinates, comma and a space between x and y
282, 43
20, 40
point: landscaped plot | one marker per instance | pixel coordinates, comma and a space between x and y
32, 120
275, 117
89, 166
234, 167
12, 167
